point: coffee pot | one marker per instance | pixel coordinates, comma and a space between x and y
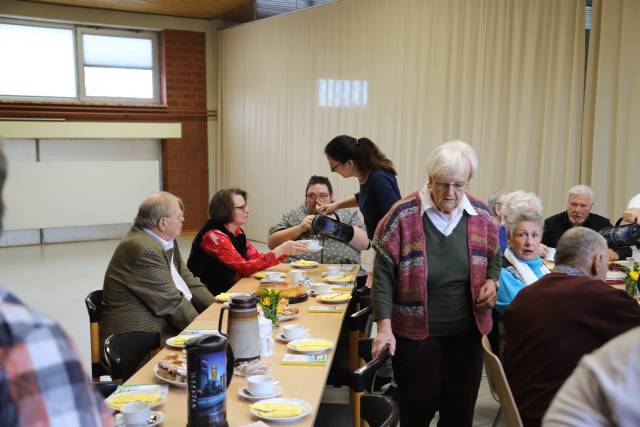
242, 331
622, 235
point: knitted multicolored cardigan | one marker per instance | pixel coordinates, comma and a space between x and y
400, 237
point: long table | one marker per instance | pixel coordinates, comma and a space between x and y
303, 382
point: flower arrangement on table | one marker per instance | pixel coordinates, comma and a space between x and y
269, 299
631, 279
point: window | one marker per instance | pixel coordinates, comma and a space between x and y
342, 93
69, 62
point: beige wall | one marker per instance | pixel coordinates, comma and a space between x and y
436, 71
26, 10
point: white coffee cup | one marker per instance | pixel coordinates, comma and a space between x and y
293, 332
312, 244
272, 274
297, 276
334, 270
260, 385
135, 413
320, 288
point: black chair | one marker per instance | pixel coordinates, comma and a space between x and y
343, 364
378, 410
126, 351
93, 301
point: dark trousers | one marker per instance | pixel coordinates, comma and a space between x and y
438, 374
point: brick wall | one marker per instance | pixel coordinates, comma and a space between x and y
185, 169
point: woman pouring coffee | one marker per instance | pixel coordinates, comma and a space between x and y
362, 159
221, 254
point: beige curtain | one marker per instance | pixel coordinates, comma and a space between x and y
504, 75
612, 107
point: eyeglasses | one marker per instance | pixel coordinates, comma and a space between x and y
458, 187
334, 167
321, 196
242, 208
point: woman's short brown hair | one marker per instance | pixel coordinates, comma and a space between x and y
221, 207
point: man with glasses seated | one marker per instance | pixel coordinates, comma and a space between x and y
296, 225
147, 286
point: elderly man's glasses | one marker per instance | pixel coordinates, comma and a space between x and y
321, 196
457, 186
242, 208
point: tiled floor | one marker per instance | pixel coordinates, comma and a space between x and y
56, 278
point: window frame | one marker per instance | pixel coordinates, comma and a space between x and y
80, 30
81, 98
27, 23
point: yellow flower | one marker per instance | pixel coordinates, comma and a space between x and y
634, 275
266, 301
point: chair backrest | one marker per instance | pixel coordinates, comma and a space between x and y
499, 386
93, 301
125, 352
357, 321
379, 410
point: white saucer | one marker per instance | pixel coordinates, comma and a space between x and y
280, 337
159, 418
273, 280
244, 393
314, 249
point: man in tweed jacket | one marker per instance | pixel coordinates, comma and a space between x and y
147, 286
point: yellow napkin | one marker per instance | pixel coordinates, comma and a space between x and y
277, 410
338, 297
339, 279
122, 399
311, 345
181, 340
223, 296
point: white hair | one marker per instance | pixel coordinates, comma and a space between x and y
448, 159
582, 190
519, 200
522, 214
495, 200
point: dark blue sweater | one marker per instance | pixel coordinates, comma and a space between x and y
377, 194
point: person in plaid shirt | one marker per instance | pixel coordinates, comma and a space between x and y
41, 378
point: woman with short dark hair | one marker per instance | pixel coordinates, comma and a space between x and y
221, 254
362, 159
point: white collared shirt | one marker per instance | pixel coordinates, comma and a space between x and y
178, 281
445, 226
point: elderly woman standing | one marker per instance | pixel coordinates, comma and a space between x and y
434, 284
521, 265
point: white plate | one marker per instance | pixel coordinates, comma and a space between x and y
171, 342
341, 274
244, 393
326, 298
616, 275
339, 280
273, 280
312, 264
140, 391
280, 337
168, 381
283, 318
291, 346
288, 401
159, 418
262, 274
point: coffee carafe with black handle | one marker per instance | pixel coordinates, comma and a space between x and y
242, 327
